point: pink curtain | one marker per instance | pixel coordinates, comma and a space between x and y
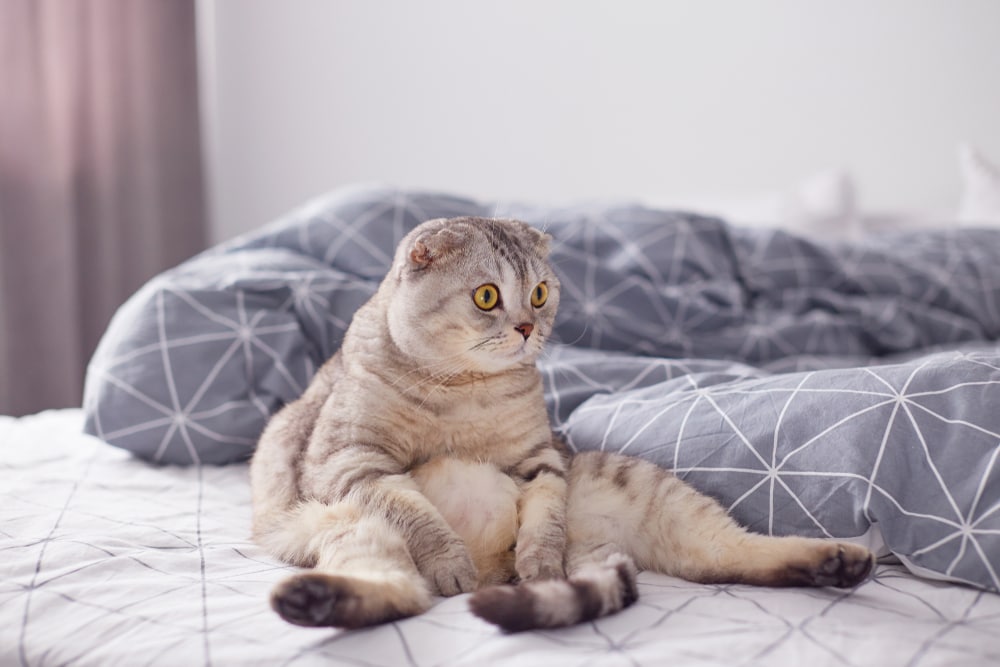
100, 177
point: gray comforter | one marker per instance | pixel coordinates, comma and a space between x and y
844, 391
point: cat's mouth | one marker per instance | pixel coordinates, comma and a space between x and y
510, 353
520, 350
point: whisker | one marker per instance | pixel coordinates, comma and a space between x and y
483, 342
576, 340
428, 368
439, 378
442, 383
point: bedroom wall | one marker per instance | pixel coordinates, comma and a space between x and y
564, 99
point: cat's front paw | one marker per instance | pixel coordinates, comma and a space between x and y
451, 572
541, 563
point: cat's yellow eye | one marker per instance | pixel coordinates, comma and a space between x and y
487, 296
539, 295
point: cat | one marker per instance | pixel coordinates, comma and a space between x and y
420, 461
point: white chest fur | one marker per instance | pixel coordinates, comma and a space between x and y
480, 504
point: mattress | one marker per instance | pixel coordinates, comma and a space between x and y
111, 560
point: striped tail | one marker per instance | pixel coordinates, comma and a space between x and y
593, 591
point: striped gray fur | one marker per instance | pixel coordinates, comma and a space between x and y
420, 462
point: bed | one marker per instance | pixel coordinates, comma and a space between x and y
845, 391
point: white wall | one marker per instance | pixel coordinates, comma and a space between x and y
553, 100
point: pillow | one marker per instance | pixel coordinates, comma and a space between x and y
194, 363
978, 205
980, 201
820, 206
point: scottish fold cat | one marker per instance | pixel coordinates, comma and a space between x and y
420, 462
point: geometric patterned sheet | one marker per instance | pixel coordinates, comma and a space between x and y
842, 391
107, 559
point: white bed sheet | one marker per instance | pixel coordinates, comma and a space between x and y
108, 560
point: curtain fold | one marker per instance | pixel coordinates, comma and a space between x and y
101, 183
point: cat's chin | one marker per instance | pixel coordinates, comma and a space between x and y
522, 355
505, 361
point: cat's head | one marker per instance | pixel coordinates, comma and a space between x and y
472, 294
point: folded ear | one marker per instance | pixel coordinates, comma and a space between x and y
420, 254
433, 245
442, 237
543, 241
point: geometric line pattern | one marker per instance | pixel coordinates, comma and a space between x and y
105, 559
838, 391
896, 458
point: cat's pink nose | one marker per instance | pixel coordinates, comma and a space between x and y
525, 329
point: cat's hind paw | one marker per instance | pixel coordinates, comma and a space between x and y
310, 599
317, 599
847, 567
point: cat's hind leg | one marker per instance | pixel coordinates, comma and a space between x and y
362, 572
669, 527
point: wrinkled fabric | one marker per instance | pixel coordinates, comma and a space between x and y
844, 391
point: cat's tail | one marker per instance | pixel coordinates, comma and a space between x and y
592, 591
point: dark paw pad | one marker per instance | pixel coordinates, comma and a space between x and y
307, 599
848, 567
627, 578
